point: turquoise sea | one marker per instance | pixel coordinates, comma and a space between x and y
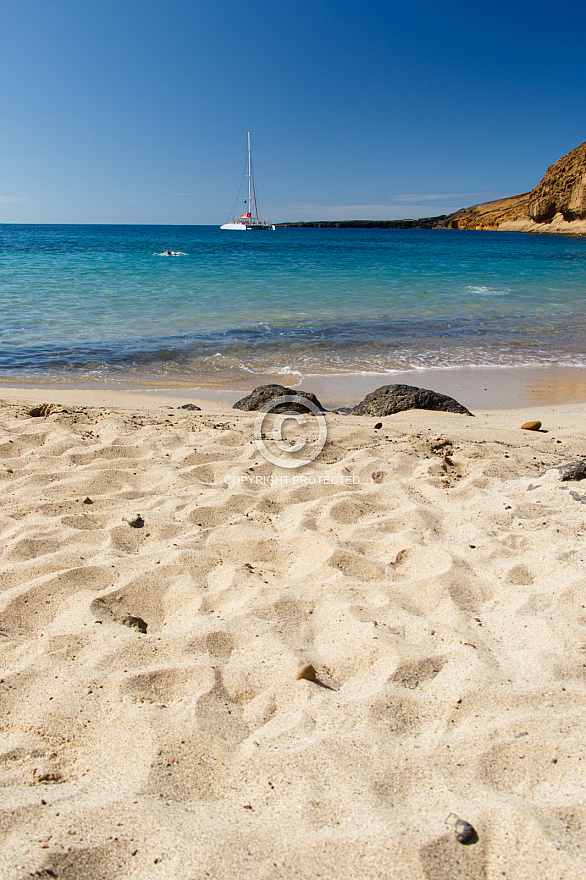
102, 302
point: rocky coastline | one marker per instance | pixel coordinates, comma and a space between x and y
419, 223
557, 205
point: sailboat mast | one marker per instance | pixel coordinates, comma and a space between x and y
249, 173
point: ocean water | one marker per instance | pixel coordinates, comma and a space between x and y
232, 309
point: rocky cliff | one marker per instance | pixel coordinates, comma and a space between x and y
562, 190
489, 215
556, 204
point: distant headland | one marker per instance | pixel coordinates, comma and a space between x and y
556, 205
421, 223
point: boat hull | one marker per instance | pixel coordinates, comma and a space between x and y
244, 227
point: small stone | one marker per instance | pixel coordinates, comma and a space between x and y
190, 406
576, 470
531, 426
134, 623
136, 521
306, 672
465, 833
87, 500
378, 425
41, 411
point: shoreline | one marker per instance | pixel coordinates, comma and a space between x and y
525, 225
484, 388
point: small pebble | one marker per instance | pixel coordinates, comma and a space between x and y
87, 500
41, 411
378, 425
190, 406
307, 672
135, 623
464, 831
136, 521
531, 426
576, 470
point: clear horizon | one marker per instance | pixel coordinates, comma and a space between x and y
119, 114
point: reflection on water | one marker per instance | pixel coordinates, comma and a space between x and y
558, 386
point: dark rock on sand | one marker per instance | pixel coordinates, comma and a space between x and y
391, 399
134, 622
465, 832
190, 406
265, 393
576, 470
136, 521
41, 411
307, 673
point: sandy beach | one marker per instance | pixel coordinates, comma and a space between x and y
433, 573
340, 635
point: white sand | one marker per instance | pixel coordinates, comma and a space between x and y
439, 592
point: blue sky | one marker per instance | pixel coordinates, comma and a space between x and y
137, 112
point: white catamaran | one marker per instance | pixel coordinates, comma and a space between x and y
250, 218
